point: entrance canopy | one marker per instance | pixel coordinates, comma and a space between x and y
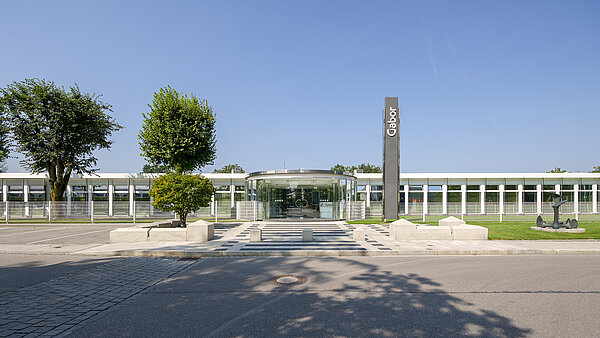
301, 194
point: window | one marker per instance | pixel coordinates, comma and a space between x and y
472, 187
510, 187
435, 188
454, 187
492, 187
530, 187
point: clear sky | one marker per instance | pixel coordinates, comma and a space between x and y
483, 86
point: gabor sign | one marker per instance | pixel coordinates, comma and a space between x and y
391, 157
392, 122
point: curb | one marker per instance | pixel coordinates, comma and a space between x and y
342, 253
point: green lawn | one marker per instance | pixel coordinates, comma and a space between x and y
516, 230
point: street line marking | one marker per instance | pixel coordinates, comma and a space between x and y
28, 232
51, 239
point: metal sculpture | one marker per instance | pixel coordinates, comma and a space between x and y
569, 224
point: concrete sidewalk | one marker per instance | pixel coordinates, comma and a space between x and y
279, 239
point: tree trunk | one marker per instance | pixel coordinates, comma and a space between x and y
59, 180
183, 219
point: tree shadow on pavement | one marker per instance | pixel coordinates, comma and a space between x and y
342, 297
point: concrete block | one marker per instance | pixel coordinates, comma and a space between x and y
307, 235
200, 231
433, 232
167, 234
469, 232
359, 235
163, 224
129, 235
450, 221
255, 235
175, 223
402, 229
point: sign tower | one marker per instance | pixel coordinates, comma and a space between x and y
391, 158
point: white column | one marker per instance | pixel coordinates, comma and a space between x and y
482, 198
463, 198
90, 194
4, 196
368, 192
232, 191
539, 199
111, 191
576, 198
26, 197
131, 198
445, 199
501, 206
595, 198
520, 199
69, 199
557, 188
425, 198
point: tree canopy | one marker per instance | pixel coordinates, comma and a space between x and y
55, 129
178, 132
4, 141
365, 167
236, 168
182, 193
149, 168
596, 169
557, 170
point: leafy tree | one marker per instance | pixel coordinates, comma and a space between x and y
236, 168
56, 130
596, 169
557, 170
182, 193
4, 141
178, 132
148, 168
365, 167
369, 168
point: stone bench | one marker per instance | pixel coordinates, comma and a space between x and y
129, 235
200, 231
167, 234
450, 228
255, 235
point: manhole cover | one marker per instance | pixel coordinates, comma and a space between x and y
288, 280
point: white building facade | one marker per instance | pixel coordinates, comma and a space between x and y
126, 195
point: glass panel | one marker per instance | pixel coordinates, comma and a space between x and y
435, 188
566, 187
510, 187
473, 187
415, 187
454, 187
492, 187
377, 188
530, 187
549, 187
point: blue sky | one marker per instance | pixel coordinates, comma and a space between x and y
483, 86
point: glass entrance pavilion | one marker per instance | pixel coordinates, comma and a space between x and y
301, 194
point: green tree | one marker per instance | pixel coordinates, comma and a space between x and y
365, 167
596, 169
178, 132
148, 168
369, 168
56, 130
182, 193
557, 170
236, 168
4, 141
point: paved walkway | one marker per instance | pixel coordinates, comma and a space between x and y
59, 305
283, 239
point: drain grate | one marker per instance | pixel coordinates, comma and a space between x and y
288, 280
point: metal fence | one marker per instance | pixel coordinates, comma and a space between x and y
98, 211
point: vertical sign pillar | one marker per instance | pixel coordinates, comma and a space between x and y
391, 157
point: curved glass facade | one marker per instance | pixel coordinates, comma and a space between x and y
301, 194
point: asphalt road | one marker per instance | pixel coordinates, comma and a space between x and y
521, 296
57, 234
